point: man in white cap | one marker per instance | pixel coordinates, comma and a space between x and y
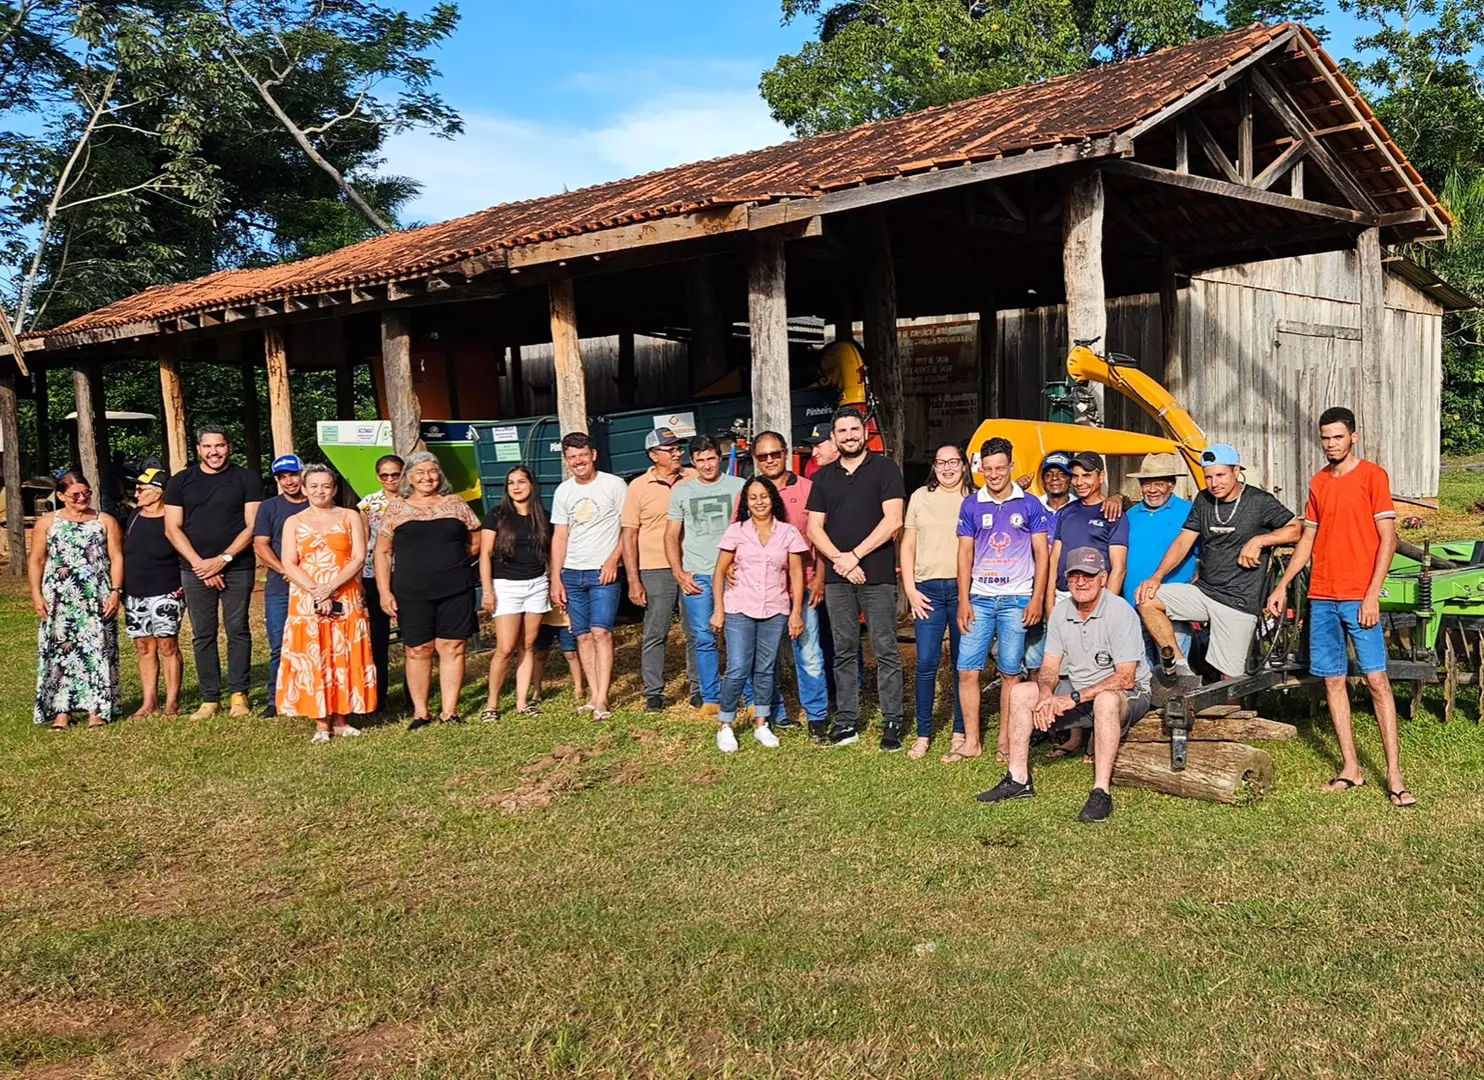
267, 542
1154, 524
1235, 525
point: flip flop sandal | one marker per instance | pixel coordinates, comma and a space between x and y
920, 749
1395, 797
490, 716
529, 710
1349, 784
953, 757
601, 717
586, 708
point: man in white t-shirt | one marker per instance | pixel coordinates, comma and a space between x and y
586, 531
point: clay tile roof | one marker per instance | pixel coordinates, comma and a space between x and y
1088, 104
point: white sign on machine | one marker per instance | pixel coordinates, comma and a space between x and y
355, 432
683, 424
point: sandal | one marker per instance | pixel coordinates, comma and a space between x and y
953, 757
490, 716
419, 722
1396, 798
1350, 784
1060, 752
529, 710
920, 748
451, 718
602, 716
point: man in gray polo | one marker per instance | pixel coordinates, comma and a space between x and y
1094, 675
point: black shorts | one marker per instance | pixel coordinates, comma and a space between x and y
450, 618
1080, 716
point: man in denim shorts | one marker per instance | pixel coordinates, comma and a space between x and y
1003, 566
1350, 530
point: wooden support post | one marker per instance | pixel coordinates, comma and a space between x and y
1296, 180
100, 419
1169, 317
842, 311
1182, 147
1082, 263
15, 505
87, 429
1244, 132
517, 405
173, 416
43, 422
396, 372
626, 379
991, 378
571, 382
767, 317
879, 328
280, 409
709, 332
1371, 411
252, 419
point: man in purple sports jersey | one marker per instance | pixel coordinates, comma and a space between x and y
1003, 565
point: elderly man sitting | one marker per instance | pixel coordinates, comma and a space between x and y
1094, 675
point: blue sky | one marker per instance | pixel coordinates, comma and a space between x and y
571, 93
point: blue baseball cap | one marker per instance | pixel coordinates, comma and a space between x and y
1057, 460
1221, 454
661, 436
287, 463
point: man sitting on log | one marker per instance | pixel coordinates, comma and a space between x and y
1094, 675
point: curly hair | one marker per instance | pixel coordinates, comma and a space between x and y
780, 513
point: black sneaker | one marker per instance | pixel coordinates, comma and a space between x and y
654, 703
1099, 806
784, 723
695, 700
1009, 788
843, 736
819, 731
891, 739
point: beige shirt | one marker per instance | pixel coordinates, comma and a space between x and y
934, 514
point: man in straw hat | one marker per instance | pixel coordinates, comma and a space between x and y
1154, 524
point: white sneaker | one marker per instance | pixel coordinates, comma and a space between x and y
348, 732
320, 737
764, 735
726, 739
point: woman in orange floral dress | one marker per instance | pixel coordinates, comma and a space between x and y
327, 671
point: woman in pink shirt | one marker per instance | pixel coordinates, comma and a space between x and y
756, 604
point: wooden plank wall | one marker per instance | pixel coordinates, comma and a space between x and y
661, 367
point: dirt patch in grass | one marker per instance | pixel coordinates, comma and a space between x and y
385, 1047
549, 778
64, 1042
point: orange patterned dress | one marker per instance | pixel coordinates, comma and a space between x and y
327, 668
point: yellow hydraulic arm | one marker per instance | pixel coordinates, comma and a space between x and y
1086, 366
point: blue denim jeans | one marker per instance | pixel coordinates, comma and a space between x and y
942, 593
999, 621
809, 663
590, 603
698, 610
275, 616
1330, 623
752, 654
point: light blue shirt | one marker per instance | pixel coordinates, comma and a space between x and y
1150, 534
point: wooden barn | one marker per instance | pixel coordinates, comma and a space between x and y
1236, 191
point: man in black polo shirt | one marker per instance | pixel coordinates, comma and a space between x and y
855, 511
209, 514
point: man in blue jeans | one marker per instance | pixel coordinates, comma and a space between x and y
267, 542
586, 530
701, 508
1003, 570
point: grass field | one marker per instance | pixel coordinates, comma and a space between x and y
550, 897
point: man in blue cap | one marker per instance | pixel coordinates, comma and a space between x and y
268, 547
1235, 525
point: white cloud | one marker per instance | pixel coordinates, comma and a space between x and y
500, 158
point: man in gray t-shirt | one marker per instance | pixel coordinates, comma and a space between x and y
1094, 675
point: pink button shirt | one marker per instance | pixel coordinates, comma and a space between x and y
762, 571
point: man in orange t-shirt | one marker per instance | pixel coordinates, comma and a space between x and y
1350, 530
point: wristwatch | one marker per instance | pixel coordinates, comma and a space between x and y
225, 556
1076, 698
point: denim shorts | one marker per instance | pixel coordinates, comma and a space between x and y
999, 619
590, 605
1330, 623
560, 636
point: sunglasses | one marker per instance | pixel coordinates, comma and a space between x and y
79, 493
769, 455
389, 476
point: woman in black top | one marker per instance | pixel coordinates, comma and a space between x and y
431, 592
515, 542
154, 602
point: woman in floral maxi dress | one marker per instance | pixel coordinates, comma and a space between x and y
327, 670
77, 578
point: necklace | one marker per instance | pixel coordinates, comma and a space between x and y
1216, 510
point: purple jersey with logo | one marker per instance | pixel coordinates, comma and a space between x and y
1004, 561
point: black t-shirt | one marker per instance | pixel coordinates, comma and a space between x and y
1224, 529
432, 559
272, 515
215, 509
151, 566
527, 561
852, 505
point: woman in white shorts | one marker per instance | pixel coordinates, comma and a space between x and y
513, 553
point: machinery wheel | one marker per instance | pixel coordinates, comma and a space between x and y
1280, 639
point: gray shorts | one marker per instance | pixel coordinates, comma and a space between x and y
1081, 715
1231, 630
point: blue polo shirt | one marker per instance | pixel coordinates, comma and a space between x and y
1150, 534
1081, 524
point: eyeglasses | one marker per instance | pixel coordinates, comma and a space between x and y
768, 455
79, 493
389, 476
667, 449
943, 463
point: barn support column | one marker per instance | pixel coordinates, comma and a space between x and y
517, 406
767, 318
252, 419
627, 379
1170, 325
43, 422
173, 412
15, 506
396, 372
1371, 413
280, 409
1082, 263
566, 350
991, 378
708, 331
879, 329
87, 427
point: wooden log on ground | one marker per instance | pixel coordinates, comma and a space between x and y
1219, 772
1215, 729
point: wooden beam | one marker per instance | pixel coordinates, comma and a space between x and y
625, 378
767, 320
17, 350
1374, 410
1288, 114
1296, 180
396, 373
280, 408
1182, 146
1280, 165
879, 330
1335, 129
1082, 262
42, 394
15, 504
1240, 192
571, 380
252, 418
1416, 216
87, 429
172, 398
1010, 206
1169, 319
1244, 131
1214, 153
709, 333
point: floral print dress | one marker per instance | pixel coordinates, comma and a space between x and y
77, 649
326, 668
